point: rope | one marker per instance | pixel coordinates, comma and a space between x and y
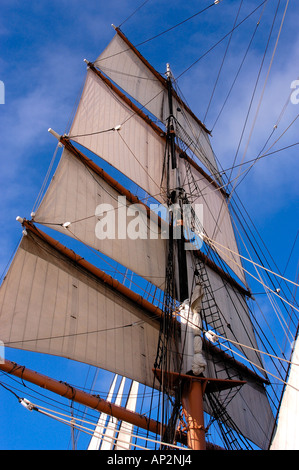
222, 64
179, 24
71, 421
40, 194
132, 14
266, 80
238, 344
238, 264
261, 368
213, 242
218, 42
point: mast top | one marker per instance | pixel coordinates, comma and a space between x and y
168, 71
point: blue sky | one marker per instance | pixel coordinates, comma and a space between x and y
43, 44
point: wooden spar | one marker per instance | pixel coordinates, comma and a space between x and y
81, 397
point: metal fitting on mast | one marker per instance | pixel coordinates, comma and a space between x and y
168, 71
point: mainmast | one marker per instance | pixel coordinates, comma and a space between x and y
192, 387
192, 390
176, 198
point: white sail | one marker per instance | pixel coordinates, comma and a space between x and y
53, 304
126, 67
225, 311
106, 435
286, 435
235, 317
103, 218
48, 305
134, 148
76, 188
224, 306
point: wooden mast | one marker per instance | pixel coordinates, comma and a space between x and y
193, 387
192, 391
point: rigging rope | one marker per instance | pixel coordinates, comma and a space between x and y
213, 242
231, 259
40, 194
264, 370
222, 39
222, 64
265, 82
70, 422
180, 23
132, 14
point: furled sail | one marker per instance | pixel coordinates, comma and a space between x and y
50, 305
121, 62
286, 435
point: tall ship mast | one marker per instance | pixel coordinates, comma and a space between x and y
164, 303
